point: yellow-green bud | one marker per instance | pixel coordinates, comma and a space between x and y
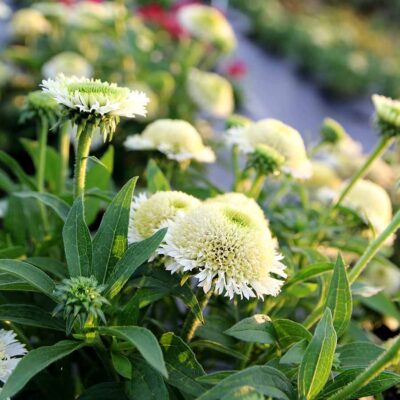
331, 131
265, 160
236, 120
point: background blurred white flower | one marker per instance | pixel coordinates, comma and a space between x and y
5, 10
222, 243
177, 139
69, 64
29, 22
211, 92
10, 353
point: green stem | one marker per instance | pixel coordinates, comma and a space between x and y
82, 153
257, 186
380, 148
42, 140
383, 361
236, 168
373, 248
64, 146
192, 322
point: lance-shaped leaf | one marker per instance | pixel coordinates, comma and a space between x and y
34, 362
316, 365
339, 298
29, 274
110, 241
289, 332
255, 329
133, 258
144, 341
156, 180
77, 241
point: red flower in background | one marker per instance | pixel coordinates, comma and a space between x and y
165, 18
235, 69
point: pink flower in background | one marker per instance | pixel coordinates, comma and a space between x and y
235, 69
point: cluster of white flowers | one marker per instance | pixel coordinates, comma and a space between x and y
176, 138
224, 242
10, 353
281, 137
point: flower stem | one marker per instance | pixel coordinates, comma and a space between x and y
192, 322
373, 248
82, 153
257, 186
380, 148
42, 140
383, 361
64, 145
236, 168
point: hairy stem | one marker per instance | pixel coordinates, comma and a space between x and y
371, 372
82, 153
380, 148
42, 141
192, 322
64, 145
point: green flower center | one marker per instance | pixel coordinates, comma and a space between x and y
97, 88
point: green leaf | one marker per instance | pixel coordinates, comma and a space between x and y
311, 271
110, 241
30, 315
145, 384
49, 265
77, 241
104, 391
339, 298
98, 177
255, 329
144, 341
215, 377
318, 359
289, 332
264, 380
382, 382
13, 252
29, 274
34, 362
60, 207
121, 364
209, 344
295, 353
133, 258
382, 304
156, 180
13, 166
358, 354
11, 282
182, 366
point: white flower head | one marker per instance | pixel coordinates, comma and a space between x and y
384, 276
5, 10
69, 64
223, 245
387, 114
29, 22
279, 136
92, 101
209, 25
176, 138
10, 353
149, 214
211, 92
372, 202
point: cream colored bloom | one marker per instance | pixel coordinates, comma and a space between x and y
384, 276
176, 138
69, 64
242, 202
323, 175
10, 353
208, 25
5, 10
388, 114
372, 202
149, 214
29, 22
94, 101
223, 245
211, 92
279, 136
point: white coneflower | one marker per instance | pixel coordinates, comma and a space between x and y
372, 202
384, 276
224, 247
69, 64
176, 138
211, 92
208, 25
387, 114
5, 10
280, 137
149, 214
28, 22
243, 202
91, 104
10, 353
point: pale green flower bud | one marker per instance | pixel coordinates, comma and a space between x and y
387, 113
265, 160
331, 131
40, 105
